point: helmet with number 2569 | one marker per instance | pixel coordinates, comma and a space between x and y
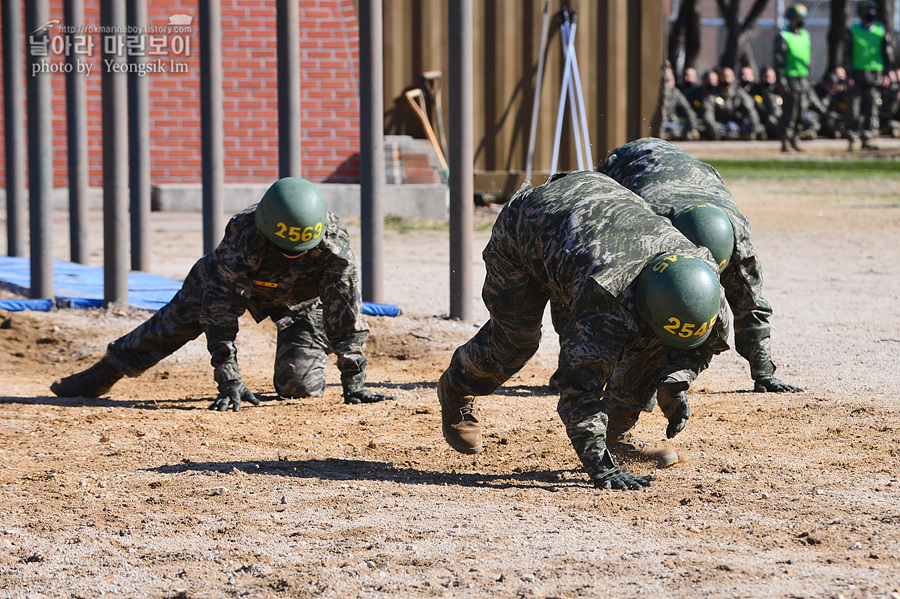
292, 215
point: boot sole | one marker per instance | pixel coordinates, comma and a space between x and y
466, 449
60, 391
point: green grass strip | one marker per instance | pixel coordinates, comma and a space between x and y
842, 169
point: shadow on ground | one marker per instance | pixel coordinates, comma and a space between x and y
359, 470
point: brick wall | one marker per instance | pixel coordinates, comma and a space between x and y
329, 54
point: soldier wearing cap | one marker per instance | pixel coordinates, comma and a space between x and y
791, 57
867, 55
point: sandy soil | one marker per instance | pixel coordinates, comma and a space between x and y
146, 493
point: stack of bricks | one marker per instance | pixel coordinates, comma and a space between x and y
409, 160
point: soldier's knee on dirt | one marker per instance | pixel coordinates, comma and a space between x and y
300, 371
292, 384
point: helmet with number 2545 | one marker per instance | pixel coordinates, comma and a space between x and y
678, 297
292, 215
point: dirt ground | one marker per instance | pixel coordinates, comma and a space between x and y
146, 493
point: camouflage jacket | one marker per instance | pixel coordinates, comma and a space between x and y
732, 104
671, 180
248, 273
586, 239
768, 106
678, 109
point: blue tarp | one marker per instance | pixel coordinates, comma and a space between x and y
80, 286
17, 305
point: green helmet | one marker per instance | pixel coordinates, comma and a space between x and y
292, 215
796, 11
678, 297
866, 6
709, 227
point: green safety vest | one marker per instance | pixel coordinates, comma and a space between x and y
796, 63
867, 47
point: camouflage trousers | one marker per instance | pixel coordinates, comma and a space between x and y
796, 105
863, 120
516, 301
300, 356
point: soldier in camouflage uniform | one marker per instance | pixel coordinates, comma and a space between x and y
285, 258
768, 102
791, 56
868, 53
833, 103
679, 121
703, 99
593, 247
672, 181
729, 111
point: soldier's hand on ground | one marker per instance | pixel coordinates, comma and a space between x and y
673, 402
365, 396
611, 476
231, 394
621, 479
772, 385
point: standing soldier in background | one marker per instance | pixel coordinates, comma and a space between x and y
634, 289
791, 57
691, 194
867, 55
285, 258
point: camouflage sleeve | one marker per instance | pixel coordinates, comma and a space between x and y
779, 59
888, 46
345, 327
708, 113
227, 293
592, 341
816, 104
742, 279
750, 110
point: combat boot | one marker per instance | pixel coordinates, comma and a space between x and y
620, 441
93, 382
458, 422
